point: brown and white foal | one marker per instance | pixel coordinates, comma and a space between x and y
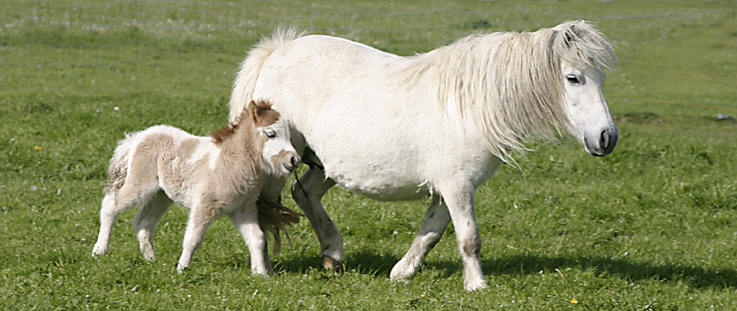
209, 175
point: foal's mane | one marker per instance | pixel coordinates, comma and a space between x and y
225, 132
264, 118
510, 84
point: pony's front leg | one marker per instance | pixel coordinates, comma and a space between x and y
459, 197
245, 219
307, 192
431, 230
200, 218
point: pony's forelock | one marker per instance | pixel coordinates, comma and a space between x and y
581, 43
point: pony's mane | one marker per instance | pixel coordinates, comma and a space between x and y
509, 84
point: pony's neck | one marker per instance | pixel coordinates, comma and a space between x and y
506, 84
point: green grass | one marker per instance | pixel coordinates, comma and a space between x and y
649, 227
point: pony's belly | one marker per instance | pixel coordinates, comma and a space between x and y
391, 193
396, 188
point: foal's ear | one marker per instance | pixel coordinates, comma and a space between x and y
262, 113
258, 110
254, 110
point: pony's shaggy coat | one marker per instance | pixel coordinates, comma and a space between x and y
507, 83
436, 124
209, 175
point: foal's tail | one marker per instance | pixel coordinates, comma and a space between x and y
250, 69
118, 169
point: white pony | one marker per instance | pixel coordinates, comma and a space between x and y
208, 175
436, 124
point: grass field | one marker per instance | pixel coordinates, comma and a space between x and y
652, 226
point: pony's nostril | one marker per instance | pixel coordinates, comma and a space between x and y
604, 140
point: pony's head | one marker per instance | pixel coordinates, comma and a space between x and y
584, 53
280, 157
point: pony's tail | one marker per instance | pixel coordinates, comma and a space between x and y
250, 69
274, 218
118, 169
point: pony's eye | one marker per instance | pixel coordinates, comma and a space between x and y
270, 133
572, 79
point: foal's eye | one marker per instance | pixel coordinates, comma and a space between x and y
270, 133
572, 79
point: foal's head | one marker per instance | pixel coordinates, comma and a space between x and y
277, 151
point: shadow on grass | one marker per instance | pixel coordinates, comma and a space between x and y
365, 261
370, 262
635, 271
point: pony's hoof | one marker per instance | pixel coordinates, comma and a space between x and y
180, 268
149, 257
400, 273
476, 286
331, 264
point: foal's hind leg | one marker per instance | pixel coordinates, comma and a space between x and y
145, 222
245, 219
431, 230
200, 218
307, 192
113, 204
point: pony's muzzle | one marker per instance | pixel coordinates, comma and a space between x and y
604, 144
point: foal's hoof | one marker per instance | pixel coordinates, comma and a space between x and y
330, 264
98, 251
180, 268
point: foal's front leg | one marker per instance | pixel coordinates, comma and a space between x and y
245, 219
200, 217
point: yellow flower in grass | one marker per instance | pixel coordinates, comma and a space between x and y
574, 301
38, 147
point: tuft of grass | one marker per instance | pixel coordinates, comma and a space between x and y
649, 227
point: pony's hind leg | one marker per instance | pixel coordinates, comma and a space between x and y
145, 222
307, 192
431, 230
245, 219
114, 203
200, 217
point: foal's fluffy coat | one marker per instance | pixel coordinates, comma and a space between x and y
208, 175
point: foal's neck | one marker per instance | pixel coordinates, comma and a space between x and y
239, 141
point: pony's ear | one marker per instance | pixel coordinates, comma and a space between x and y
566, 34
569, 35
554, 33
